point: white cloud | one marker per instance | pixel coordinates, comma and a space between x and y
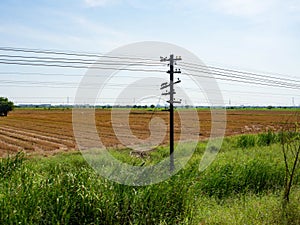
100, 3
95, 28
87, 36
255, 8
244, 7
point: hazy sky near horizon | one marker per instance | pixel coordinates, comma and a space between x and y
252, 35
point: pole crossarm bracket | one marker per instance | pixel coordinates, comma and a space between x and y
166, 84
172, 102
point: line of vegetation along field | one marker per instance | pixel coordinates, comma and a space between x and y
244, 185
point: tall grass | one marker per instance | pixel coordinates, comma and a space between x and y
65, 190
246, 141
11, 164
60, 193
255, 176
262, 139
268, 138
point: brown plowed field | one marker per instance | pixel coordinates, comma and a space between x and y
49, 131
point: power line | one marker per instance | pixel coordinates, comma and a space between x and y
43, 51
228, 78
197, 66
14, 62
69, 87
72, 83
66, 75
75, 61
240, 76
85, 61
126, 76
255, 79
197, 90
58, 52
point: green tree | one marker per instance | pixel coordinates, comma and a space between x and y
5, 106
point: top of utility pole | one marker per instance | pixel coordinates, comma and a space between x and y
165, 59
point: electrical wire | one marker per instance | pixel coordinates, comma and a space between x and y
8, 62
75, 60
238, 76
197, 66
228, 78
56, 52
78, 61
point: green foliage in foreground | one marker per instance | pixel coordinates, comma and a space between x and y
262, 139
242, 186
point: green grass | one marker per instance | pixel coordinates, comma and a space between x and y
246, 141
242, 186
11, 164
274, 108
262, 139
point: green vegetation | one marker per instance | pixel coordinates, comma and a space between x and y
10, 165
244, 185
290, 145
5, 106
262, 139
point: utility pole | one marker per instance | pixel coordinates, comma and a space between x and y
171, 101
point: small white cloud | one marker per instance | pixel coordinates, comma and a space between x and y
95, 28
99, 3
244, 7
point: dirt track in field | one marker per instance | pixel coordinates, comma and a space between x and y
49, 131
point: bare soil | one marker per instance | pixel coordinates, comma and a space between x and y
50, 131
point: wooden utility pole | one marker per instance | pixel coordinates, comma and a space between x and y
171, 102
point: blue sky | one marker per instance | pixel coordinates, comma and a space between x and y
251, 35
